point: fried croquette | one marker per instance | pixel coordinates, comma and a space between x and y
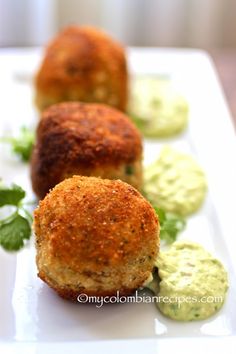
95, 236
82, 64
88, 140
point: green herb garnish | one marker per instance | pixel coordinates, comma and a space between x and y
171, 225
139, 122
23, 144
129, 170
15, 228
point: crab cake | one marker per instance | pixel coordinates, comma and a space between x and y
95, 236
82, 64
88, 140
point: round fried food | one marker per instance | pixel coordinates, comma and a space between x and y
95, 236
88, 140
82, 64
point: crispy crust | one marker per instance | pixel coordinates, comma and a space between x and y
86, 139
100, 234
82, 64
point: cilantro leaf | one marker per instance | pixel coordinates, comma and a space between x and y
11, 195
170, 225
161, 214
139, 122
15, 228
13, 232
23, 144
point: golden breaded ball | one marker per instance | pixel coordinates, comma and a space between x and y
82, 64
88, 140
95, 236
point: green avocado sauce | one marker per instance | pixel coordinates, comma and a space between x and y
194, 282
175, 182
157, 108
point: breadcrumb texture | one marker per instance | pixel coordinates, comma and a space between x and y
85, 139
82, 64
95, 236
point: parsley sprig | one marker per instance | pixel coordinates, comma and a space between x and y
21, 145
16, 228
170, 225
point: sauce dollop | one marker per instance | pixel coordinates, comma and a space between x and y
190, 274
157, 107
175, 182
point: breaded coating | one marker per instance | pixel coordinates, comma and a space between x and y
85, 139
95, 236
82, 64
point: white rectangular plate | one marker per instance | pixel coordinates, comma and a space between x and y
32, 317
